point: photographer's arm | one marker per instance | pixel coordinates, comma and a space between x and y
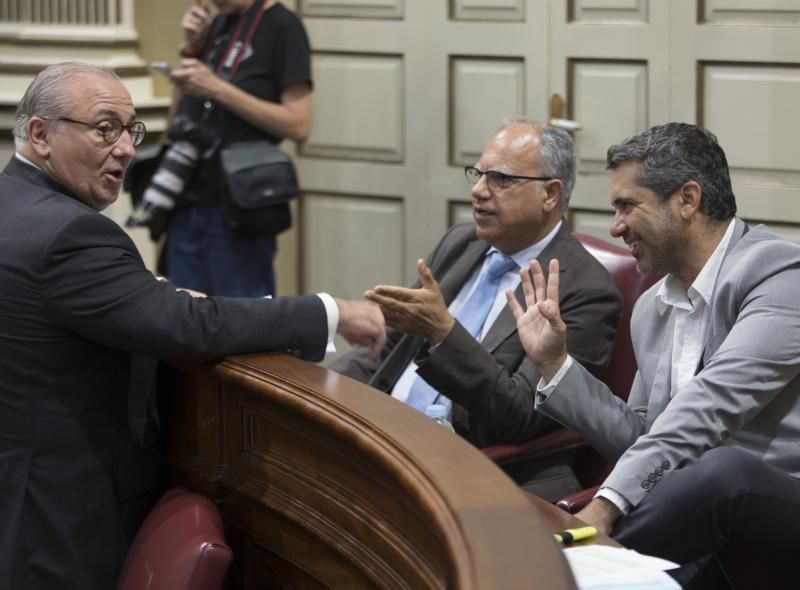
290, 118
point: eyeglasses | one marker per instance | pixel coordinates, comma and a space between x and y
111, 129
496, 180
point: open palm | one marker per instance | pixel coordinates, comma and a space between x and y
542, 332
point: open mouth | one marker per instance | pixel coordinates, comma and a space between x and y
115, 175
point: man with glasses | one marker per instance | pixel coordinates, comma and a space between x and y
79, 456
446, 348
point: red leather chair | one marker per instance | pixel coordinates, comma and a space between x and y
180, 546
589, 467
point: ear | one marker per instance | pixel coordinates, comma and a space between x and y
555, 194
38, 136
689, 197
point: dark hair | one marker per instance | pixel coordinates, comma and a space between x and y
672, 154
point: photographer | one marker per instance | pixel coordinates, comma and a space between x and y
245, 76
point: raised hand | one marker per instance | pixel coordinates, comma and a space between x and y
195, 25
421, 312
541, 331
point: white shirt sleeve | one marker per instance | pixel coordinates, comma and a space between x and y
615, 498
332, 311
543, 390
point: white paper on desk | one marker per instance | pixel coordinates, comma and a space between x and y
598, 567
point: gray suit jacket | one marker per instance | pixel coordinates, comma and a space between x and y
492, 383
744, 394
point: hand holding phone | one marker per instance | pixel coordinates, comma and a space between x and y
161, 66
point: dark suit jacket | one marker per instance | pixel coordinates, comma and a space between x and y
492, 383
75, 302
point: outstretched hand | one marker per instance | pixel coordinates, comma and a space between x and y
421, 312
361, 324
542, 332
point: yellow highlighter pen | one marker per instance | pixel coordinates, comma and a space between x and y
571, 535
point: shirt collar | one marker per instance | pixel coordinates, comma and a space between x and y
702, 289
26, 160
523, 257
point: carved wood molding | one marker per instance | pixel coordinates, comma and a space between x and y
324, 482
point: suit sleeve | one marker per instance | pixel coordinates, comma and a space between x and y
584, 403
498, 387
753, 365
95, 283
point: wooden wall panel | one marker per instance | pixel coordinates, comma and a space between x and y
751, 12
352, 8
488, 10
610, 101
358, 107
753, 110
606, 11
366, 249
483, 93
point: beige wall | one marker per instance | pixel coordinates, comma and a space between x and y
158, 25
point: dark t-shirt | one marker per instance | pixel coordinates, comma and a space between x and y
278, 56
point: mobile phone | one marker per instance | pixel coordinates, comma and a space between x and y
161, 66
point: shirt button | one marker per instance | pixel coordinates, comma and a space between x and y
646, 484
652, 477
659, 471
665, 465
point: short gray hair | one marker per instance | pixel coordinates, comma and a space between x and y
45, 95
556, 152
672, 154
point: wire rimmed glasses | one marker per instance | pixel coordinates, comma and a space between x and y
496, 180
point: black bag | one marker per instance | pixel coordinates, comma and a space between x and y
260, 179
141, 170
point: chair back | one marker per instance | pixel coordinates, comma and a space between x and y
180, 546
622, 267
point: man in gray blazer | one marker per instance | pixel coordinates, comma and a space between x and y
79, 465
521, 188
707, 449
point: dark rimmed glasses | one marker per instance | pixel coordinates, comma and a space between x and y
111, 129
496, 180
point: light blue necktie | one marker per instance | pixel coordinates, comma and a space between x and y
472, 316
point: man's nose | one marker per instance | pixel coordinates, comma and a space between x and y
617, 227
123, 147
480, 190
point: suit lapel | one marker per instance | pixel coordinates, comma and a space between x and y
505, 324
455, 277
710, 340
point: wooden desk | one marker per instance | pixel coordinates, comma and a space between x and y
324, 484
558, 520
